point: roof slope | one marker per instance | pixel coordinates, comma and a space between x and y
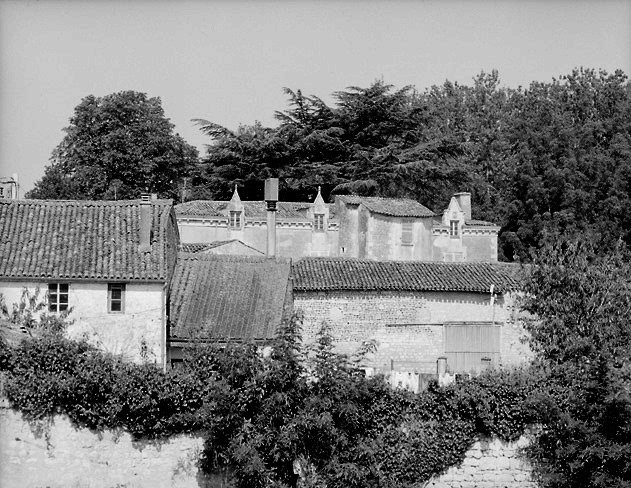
96, 240
322, 274
228, 297
395, 207
294, 211
201, 247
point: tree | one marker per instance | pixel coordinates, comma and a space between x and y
581, 334
116, 147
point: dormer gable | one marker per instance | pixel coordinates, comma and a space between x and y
453, 212
454, 217
319, 213
235, 209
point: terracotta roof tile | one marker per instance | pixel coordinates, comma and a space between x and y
286, 211
207, 246
480, 223
322, 274
85, 240
228, 297
395, 207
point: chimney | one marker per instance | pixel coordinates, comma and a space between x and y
271, 198
16, 187
464, 200
146, 223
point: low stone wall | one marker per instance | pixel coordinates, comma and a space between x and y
59, 455
489, 464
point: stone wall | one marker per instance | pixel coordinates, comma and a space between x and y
137, 334
293, 239
407, 326
489, 464
61, 456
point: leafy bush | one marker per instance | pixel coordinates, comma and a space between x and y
269, 420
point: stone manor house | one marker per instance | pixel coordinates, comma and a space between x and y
390, 229
145, 279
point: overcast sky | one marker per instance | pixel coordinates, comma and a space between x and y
228, 61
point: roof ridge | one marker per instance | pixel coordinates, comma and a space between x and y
104, 203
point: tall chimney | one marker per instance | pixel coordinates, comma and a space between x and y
16, 187
146, 222
271, 198
464, 200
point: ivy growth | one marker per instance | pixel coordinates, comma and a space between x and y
298, 415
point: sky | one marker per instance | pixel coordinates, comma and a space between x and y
228, 62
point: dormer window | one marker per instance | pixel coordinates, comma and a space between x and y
454, 228
318, 221
235, 219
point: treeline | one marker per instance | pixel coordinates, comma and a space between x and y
548, 160
542, 161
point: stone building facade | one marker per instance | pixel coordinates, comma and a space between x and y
302, 229
109, 264
415, 312
380, 229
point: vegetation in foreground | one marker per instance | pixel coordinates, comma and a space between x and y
309, 413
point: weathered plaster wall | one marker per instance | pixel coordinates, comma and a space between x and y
489, 464
137, 334
408, 326
471, 245
481, 246
383, 240
294, 240
65, 457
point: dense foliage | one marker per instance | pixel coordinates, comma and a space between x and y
582, 304
272, 419
541, 161
116, 147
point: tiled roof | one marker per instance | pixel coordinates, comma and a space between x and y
85, 240
322, 274
228, 297
480, 223
206, 208
204, 246
207, 246
395, 207
438, 223
293, 211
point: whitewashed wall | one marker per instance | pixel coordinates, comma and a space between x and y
138, 334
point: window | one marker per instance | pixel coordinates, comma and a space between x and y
454, 229
407, 233
318, 221
57, 297
235, 219
453, 257
116, 297
1, 191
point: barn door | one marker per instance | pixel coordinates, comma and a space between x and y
467, 344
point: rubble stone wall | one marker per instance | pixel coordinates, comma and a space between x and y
58, 455
489, 464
